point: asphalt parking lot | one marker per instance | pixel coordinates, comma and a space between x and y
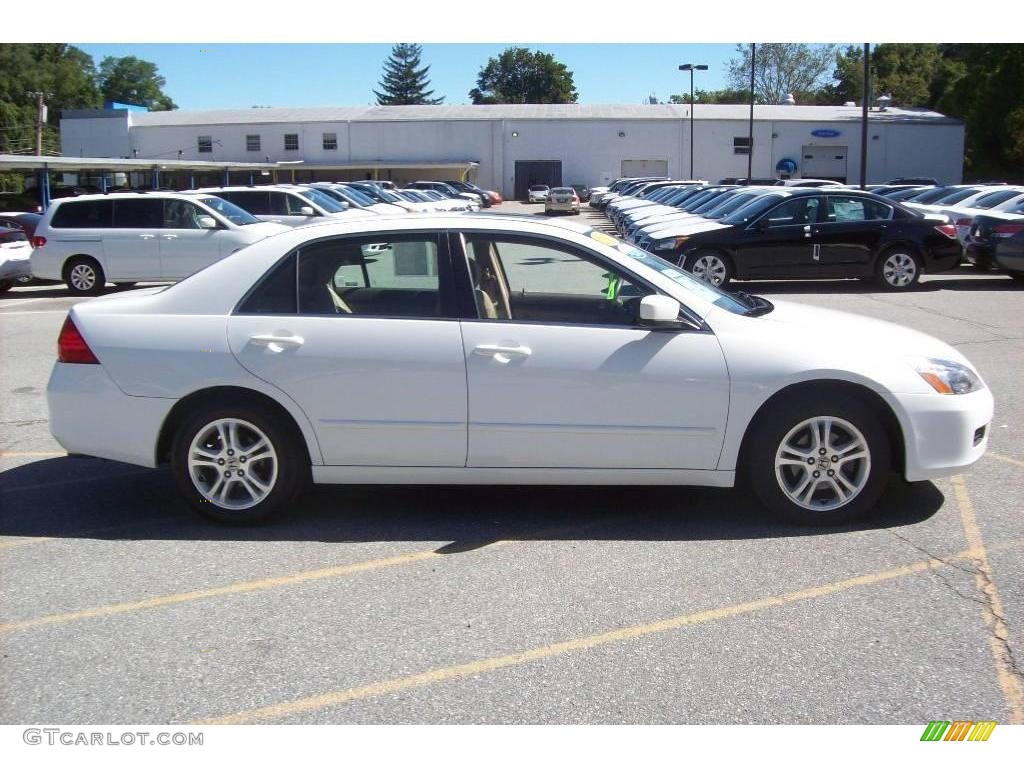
515, 605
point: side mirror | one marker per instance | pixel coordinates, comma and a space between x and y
206, 222
659, 310
307, 211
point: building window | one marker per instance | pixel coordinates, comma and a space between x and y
741, 145
291, 141
330, 141
252, 142
205, 144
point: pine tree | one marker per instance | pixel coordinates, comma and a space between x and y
404, 81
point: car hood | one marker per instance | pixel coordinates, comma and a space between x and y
816, 338
686, 227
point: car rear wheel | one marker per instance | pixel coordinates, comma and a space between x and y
819, 460
5, 285
238, 464
899, 269
84, 275
710, 266
1018, 276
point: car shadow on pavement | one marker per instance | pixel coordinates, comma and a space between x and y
992, 282
73, 497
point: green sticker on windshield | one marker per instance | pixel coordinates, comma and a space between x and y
614, 283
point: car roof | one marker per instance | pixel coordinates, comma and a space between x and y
141, 195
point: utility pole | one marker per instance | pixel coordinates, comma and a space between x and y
864, 118
750, 127
40, 120
690, 68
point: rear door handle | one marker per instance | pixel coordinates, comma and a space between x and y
147, 237
275, 342
501, 352
170, 237
807, 230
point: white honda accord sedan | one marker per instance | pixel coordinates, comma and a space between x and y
501, 350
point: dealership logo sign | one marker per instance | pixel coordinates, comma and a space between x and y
825, 133
958, 731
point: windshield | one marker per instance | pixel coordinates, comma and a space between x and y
930, 196
538, 188
704, 290
325, 201
733, 203
993, 199
743, 216
229, 211
956, 197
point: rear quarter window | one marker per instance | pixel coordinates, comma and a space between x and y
83, 214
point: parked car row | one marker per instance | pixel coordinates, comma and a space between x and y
720, 232
128, 237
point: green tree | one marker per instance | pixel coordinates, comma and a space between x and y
912, 73
131, 80
404, 80
724, 96
519, 76
783, 68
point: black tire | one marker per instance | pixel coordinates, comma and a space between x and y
292, 470
1018, 276
6, 285
902, 261
980, 266
696, 263
772, 428
77, 273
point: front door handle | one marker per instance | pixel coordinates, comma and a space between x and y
502, 353
170, 237
147, 237
275, 342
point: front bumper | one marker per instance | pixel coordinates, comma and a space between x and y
551, 205
12, 269
941, 432
90, 415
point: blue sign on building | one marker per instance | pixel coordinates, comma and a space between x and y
825, 133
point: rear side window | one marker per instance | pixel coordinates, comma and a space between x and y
851, 208
275, 294
83, 214
138, 214
256, 203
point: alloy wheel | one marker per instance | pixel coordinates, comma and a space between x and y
232, 464
823, 463
83, 277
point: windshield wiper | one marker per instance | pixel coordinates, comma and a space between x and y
756, 305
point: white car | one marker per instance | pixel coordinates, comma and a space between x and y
538, 193
457, 349
995, 201
126, 237
354, 198
15, 251
293, 206
562, 200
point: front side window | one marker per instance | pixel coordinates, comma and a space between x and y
375, 276
229, 211
291, 141
796, 212
524, 279
330, 141
205, 144
844, 209
252, 142
253, 202
285, 204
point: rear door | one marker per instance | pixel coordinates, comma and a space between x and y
185, 247
370, 348
848, 236
132, 246
780, 243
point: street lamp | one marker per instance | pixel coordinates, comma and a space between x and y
689, 68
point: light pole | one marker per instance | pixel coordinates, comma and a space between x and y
690, 68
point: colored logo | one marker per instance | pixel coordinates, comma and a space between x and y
958, 730
825, 133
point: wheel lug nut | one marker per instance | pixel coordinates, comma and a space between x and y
835, 458
810, 461
220, 461
230, 452
822, 451
831, 472
242, 459
817, 474
228, 474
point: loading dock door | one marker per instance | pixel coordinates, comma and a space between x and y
824, 163
640, 168
530, 172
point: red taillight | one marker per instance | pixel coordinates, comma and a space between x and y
71, 347
948, 230
38, 241
1008, 230
963, 222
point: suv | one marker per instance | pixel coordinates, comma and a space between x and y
126, 237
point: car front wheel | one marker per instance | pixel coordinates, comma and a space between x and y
238, 464
709, 266
819, 460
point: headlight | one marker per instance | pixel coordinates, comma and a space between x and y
947, 377
670, 245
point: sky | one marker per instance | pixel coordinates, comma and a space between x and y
216, 76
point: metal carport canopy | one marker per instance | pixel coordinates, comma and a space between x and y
62, 163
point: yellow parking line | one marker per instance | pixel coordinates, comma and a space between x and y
995, 621
321, 701
241, 587
1007, 459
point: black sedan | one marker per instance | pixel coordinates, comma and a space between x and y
993, 240
815, 233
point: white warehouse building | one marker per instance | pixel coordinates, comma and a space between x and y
508, 147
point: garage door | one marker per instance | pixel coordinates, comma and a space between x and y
824, 163
645, 167
530, 172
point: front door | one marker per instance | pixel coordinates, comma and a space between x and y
132, 248
372, 354
561, 375
780, 243
185, 247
